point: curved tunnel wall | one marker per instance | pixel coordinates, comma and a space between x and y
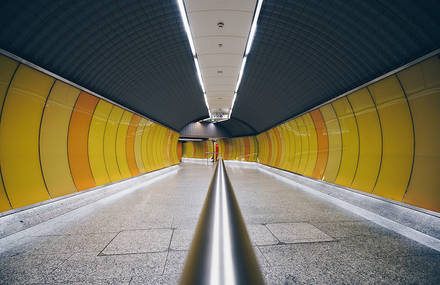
197, 149
383, 139
243, 148
56, 139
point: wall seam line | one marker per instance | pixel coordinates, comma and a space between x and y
1, 115
381, 140
39, 137
414, 137
359, 140
67, 144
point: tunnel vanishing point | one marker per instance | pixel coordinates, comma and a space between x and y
219, 142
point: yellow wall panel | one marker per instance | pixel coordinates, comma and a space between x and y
397, 132
313, 145
188, 149
111, 131
160, 143
138, 145
53, 139
322, 137
121, 144
422, 86
291, 146
254, 149
370, 140
153, 146
304, 145
148, 146
130, 146
298, 146
96, 142
350, 142
278, 147
7, 69
19, 130
334, 143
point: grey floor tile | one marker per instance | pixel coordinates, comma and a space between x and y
352, 228
83, 267
285, 255
92, 243
28, 269
297, 232
315, 273
113, 281
175, 262
260, 235
385, 246
139, 241
182, 239
156, 280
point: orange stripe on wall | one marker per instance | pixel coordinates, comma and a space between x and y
129, 147
78, 141
321, 132
179, 150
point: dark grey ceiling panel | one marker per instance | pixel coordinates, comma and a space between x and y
306, 52
133, 52
237, 128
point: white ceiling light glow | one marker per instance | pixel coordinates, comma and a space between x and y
247, 50
193, 50
222, 31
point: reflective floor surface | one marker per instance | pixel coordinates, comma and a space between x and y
142, 236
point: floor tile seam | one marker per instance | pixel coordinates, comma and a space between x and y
264, 256
102, 251
132, 253
74, 235
282, 243
59, 265
265, 225
168, 252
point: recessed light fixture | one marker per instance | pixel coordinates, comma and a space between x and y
246, 52
193, 51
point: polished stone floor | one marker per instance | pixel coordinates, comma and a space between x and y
141, 236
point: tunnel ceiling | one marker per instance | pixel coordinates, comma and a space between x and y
306, 52
136, 53
133, 52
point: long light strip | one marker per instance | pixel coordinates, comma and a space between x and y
247, 50
193, 50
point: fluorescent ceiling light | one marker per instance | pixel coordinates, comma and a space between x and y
253, 28
186, 25
240, 75
193, 50
199, 74
232, 106
247, 50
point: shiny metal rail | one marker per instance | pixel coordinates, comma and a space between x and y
221, 252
